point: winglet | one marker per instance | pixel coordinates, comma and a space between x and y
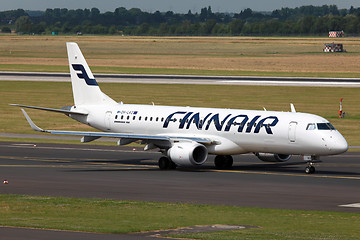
32, 124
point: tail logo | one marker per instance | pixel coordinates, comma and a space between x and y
84, 75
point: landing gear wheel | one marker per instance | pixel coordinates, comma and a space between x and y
310, 163
223, 162
165, 164
309, 169
172, 165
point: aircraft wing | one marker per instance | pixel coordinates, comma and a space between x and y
89, 136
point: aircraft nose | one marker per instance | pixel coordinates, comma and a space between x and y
338, 144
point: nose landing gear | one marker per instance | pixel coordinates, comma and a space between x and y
310, 161
309, 169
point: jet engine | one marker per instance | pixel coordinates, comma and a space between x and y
271, 157
188, 154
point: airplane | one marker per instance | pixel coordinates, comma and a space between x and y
186, 136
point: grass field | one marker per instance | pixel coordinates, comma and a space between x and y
261, 56
115, 216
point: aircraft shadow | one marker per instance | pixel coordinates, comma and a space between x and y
286, 167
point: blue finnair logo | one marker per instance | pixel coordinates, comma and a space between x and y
242, 122
83, 75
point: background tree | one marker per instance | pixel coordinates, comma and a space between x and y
23, 24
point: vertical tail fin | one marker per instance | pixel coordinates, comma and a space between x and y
85, 88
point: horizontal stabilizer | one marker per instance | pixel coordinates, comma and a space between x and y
67, 112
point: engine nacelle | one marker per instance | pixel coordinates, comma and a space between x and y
188, 154
271, 157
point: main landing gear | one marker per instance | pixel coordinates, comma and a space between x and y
223, 162
310, 161
166, 164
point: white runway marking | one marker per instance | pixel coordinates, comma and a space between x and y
353, 205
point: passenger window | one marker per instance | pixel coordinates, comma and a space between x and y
311, 126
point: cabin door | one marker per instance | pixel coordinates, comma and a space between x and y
292, 131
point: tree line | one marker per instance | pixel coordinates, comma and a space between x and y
305, 20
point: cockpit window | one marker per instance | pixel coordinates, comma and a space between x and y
325, 126
311, 126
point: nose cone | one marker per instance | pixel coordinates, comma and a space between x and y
338, 144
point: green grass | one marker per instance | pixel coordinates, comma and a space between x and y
33, 68
116, 216
317, 100
267, 56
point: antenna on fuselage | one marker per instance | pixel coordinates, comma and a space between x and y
292, 108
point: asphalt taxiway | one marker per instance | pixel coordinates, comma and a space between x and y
123, 173
127, 174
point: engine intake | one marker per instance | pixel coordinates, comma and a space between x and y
273, 157
188, 154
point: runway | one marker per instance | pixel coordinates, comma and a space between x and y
123, 173
188, 79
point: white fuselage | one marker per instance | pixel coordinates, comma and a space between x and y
233, 131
